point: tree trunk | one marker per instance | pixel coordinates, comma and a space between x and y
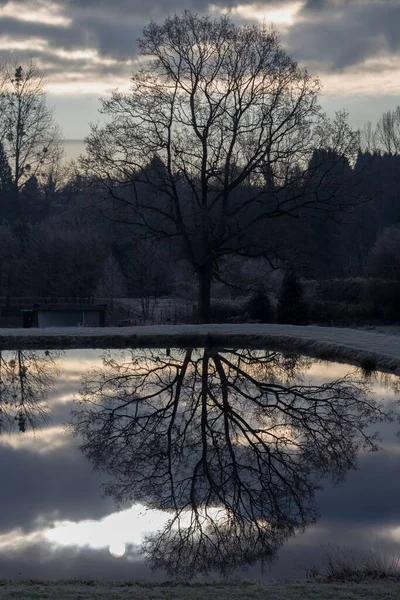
204, 274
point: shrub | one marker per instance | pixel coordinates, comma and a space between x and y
291, 305
368, 365
385, 297
225, 312
348, 290
384, 258
259, 308
323, 313
345, 563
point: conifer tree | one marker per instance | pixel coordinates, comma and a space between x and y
259, 307
291, 306
6, 184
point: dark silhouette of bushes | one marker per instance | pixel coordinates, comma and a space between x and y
292, 308
226, 312
259, 307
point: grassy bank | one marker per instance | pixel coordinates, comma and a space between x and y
342, 345
347, 574
89, 590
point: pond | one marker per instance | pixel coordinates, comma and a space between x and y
197, 462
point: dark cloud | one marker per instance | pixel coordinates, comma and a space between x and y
369, 496
56, 36
328, 34
340, 34
116, 39
321, 5
56, 485
52, 483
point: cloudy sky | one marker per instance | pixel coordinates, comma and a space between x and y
54, 522
88, 47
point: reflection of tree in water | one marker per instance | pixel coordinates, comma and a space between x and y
386, 380
26, 378
229, 442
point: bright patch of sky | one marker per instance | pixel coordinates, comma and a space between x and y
275, 13
30, 45
39, 11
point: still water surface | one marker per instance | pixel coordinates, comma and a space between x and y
227, 444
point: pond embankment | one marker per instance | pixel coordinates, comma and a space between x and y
353, 346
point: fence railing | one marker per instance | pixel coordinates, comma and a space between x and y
29, 301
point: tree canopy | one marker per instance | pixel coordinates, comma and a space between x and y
233, 122
230, 443
30, 136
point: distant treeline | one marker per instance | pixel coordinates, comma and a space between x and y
57, 245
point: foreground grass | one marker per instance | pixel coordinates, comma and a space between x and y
89, 590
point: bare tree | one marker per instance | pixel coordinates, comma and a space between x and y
29, 134
26, 378
232, 123
229, 443
148, 275
369, 139
388, 131
112, 283
53, 177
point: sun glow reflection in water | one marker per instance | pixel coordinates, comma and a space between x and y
113, 532
121, 533
117, 549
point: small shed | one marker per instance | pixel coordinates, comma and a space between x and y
65, 315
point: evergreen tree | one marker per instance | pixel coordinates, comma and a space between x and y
5, 171
6, 185
291, 306
259, 307
31, 198
325, 256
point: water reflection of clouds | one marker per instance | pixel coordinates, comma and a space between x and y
47, 440
127, 527
123, 528
64, 398
52, 500
17, 539
391, 533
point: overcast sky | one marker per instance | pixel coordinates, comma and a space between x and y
88, 47
54, 522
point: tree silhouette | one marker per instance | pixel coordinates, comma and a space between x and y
232, 121
27, 129
259, 307
6, 184
26, 378
388, 131
112, 283
384, 258
291, 306
229, 443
